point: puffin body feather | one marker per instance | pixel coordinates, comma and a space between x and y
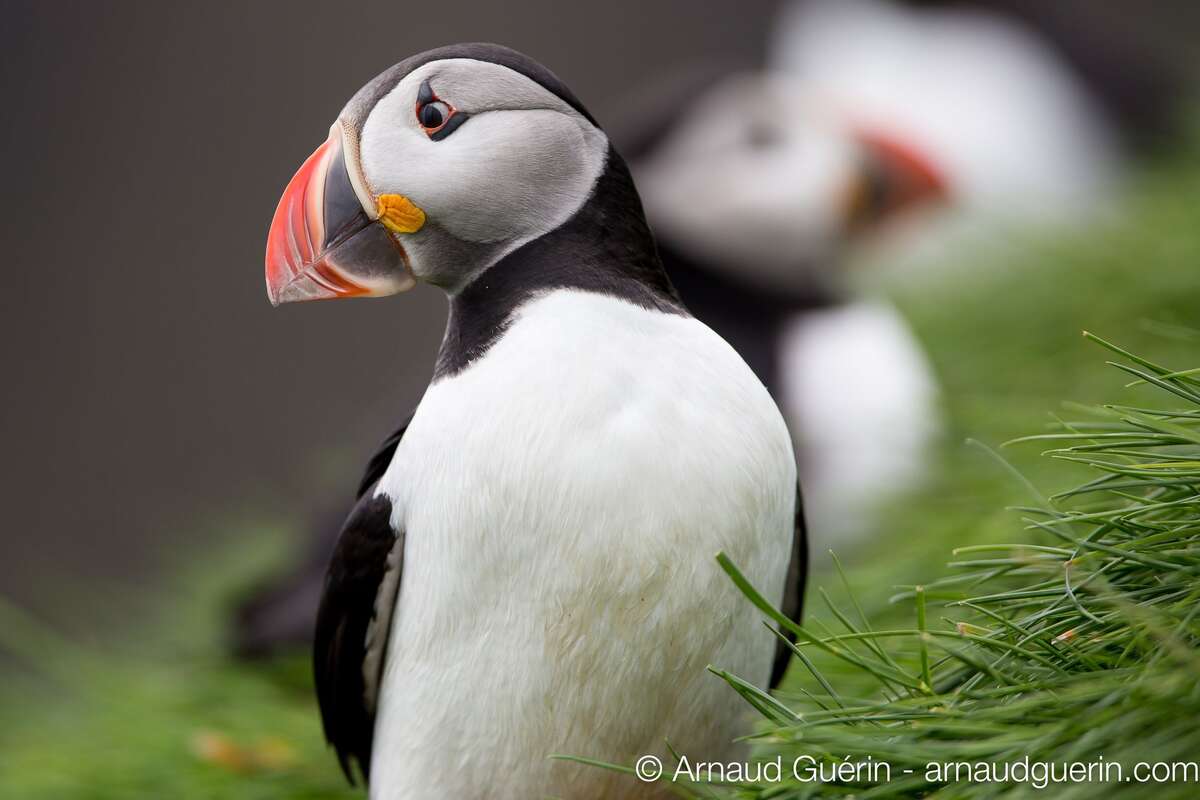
562, 499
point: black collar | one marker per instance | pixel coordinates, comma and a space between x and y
606, 247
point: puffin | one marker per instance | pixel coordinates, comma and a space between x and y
529, 567
797, 190
878, 143
1021, 141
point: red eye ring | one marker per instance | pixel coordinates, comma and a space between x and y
435, 116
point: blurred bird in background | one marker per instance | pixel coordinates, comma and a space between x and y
875, 132
875, 137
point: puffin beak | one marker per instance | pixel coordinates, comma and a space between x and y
891, 179
323, 244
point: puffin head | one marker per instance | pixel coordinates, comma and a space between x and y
789, 179
433, 171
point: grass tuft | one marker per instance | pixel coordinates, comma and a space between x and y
1081, 644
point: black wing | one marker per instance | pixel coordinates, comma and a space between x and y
355, 616
793, 591
278, 614
383, 456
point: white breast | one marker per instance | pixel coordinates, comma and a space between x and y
563, 499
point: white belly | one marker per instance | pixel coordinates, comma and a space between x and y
563, 500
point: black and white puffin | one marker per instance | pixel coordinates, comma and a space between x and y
529, 568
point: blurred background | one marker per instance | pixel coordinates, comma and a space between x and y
172, 443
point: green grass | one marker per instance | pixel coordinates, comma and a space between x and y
163, 712
1079, 640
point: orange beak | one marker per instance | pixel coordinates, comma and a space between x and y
323, 244
894, 179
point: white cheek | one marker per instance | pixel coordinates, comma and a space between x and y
396, 156
501, 176
799, 186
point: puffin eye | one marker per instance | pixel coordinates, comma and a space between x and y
436, 117
433, 115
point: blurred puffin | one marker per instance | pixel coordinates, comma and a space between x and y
876, 133
1138, 68
988, 102
761, 259
529, 568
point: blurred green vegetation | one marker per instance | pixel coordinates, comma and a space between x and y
162, 711
1004, 333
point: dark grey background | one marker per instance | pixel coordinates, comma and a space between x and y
151, 393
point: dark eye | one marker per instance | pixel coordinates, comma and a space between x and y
433, 115
437, 118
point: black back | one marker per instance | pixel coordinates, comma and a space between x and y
751, 319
